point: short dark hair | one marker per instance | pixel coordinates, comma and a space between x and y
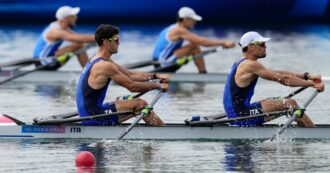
245, 49
105, 31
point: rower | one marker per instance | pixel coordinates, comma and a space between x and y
52, 37
242, 80
100, 70
169, 47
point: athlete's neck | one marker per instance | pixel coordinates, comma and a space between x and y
182, 25
104, 54
62, 24
250, 56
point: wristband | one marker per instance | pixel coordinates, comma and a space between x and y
306, 75
154, 75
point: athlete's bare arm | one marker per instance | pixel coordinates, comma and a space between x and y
135, 75
142, 76
288, 79
57, 34
181, 32
313, 77
104, 70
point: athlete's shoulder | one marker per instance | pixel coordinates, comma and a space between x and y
251, 63
180, 29
109, 67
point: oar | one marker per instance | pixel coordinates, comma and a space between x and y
79, 119
141, 64
296, 92
215, 118
180, 62
69, 114
144, 112
42, 66
24, 61
223, 121
295, 115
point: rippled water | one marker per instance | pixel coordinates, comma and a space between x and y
297, 48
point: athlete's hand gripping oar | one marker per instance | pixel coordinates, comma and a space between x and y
144, 112
60, 117
182, 61
58, 59
297, 113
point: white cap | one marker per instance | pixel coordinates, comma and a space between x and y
66, 11
251, 37
186, 12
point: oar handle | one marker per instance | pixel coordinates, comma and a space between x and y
294, 116
140, 117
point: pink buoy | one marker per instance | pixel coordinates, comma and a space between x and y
85, 159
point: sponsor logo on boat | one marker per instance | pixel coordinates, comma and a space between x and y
42, 129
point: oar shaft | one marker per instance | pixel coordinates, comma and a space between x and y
140, 117
79, 119
21, 74
141, 64
19, 62
43, 66
296, 92
294, 116
175, 65
58, 118
221, 121
311, 98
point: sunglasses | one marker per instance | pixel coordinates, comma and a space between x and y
114, 39
262, 44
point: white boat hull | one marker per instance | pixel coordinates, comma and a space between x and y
169, 132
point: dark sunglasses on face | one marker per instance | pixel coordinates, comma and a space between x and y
262, 44
114, 39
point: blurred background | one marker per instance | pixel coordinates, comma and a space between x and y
149, 11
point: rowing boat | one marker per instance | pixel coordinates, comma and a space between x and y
67, 76
180, 131
168, 132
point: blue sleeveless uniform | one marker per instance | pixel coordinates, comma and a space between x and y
45, 50
164, 49
90, 101
236, 100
